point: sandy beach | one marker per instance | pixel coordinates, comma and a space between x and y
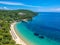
15, 37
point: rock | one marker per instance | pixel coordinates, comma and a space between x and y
41, 37
36, 34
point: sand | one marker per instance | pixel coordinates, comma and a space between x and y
15, 37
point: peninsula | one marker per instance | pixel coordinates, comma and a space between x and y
8, 19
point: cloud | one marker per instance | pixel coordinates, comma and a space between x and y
4, 8
53, 9
0, 7
48, 9
18, 4
10, 3
56, 9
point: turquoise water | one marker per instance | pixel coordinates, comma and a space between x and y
30, 38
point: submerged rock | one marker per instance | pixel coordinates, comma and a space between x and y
41, 36
36, 34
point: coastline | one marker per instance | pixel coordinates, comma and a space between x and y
15, 36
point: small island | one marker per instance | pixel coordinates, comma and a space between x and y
7, 18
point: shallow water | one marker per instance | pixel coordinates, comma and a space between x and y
30, 38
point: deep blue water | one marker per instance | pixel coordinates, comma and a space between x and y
46, 24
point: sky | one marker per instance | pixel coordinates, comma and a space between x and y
34, 5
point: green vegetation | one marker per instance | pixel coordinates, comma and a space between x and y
6, 18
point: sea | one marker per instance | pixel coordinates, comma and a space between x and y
43, 29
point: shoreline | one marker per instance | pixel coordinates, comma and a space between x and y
15, 36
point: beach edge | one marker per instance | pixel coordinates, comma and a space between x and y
15, 36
